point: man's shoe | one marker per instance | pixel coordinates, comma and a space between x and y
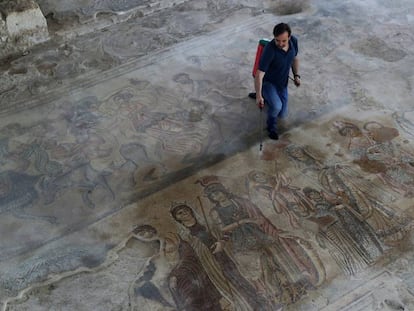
252, 95
273, 135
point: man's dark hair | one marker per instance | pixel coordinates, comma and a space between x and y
281, 28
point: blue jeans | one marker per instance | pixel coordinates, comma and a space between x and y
276, 102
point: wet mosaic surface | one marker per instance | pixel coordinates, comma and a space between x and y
139, 185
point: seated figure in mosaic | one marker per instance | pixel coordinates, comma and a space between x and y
189, 283
221, 268
173, 278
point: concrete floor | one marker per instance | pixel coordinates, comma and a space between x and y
127, 152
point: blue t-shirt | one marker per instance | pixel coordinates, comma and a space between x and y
276, 63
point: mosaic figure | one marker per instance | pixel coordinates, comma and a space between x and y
191, 287
18, 192
351, 242
173, 278
151, 284
96, 151
375, 152
286, 200
356, 142
42, 162
141, 156
399, 163
219, 265
362, 195
179, 136
285, 265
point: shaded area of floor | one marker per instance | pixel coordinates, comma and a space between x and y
139, 184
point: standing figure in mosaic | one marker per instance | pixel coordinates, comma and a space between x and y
221, 268
173, 278
362, 195
284, 265
349, 239
286, 200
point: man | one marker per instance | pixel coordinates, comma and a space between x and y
271, 79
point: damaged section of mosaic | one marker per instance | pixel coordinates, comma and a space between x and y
271, 237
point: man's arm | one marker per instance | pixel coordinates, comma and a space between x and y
295, 70
258, 82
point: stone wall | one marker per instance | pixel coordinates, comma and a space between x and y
28, 22
86, 10
22, 25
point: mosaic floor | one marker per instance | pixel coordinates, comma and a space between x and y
132, 179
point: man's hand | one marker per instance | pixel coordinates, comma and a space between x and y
296, 80
260, 101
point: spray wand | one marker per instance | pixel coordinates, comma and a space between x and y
261, 129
